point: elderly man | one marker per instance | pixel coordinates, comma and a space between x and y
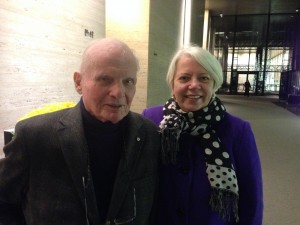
95, 163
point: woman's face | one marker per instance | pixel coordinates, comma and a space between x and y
192, 85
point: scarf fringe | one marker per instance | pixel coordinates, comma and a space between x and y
170, 146
225, 203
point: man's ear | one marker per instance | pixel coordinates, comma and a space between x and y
77, 81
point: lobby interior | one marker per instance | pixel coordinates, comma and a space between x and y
257, 40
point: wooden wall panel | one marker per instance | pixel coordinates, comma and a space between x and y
41, 43
129, 22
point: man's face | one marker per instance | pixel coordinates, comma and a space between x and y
107, 86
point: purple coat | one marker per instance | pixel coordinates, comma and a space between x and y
185, 190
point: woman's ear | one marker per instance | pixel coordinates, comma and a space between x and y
77, 77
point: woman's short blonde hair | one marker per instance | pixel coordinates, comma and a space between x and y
204, 58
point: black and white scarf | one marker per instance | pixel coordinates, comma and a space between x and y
219, 167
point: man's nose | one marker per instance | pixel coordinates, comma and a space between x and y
117, 90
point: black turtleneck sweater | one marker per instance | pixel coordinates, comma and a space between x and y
105, 143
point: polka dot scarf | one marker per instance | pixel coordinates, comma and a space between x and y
219, 168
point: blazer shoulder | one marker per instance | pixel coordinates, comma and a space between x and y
43, 120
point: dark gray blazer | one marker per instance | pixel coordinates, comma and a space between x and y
44, 178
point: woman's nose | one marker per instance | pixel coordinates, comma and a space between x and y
194, 83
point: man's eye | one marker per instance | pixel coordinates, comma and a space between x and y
130, 82
104, 79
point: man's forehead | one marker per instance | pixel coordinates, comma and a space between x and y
111, 52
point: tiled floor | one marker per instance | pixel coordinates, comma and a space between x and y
277, 133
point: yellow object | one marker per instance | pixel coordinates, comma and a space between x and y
51, 107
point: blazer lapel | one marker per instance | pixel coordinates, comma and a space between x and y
74, 148
133, 139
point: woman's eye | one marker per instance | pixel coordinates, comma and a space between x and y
183, 78
204, 79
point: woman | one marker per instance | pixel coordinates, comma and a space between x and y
211, 172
